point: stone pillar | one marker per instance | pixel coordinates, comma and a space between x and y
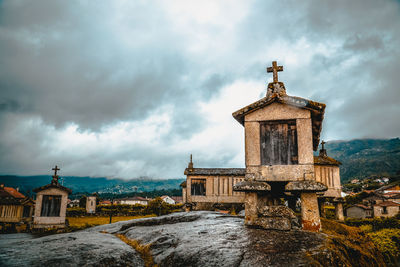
250, 205
310, 219
339, 211
321, 205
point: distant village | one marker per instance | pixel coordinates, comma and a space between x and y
51, 207
368, 203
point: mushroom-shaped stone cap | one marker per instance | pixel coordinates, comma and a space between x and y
306, 186
251, 186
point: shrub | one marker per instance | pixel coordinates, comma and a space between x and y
388, 242
366, 228
376, 223
76, 211
159, 207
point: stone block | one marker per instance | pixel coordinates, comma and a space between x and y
305, 186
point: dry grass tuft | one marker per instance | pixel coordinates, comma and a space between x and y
143, 250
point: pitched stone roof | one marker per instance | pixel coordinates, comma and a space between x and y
325, 160
216, 171
58, 186
317, 109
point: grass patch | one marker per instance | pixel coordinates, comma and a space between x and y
143, 250
348, 246
90, 221
388, 242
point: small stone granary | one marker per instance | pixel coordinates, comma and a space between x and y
51, 204
91, 204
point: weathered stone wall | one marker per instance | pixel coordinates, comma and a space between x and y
276, 111
391, 211
43, 222
355, 212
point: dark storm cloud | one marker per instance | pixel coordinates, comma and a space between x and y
358, 77
64, 66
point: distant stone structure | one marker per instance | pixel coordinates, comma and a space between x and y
91, 204
359, 211
51, 204
281, 132
15, 208
204, 187
386, 209
327, 171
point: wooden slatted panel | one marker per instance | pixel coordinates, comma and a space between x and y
278, 141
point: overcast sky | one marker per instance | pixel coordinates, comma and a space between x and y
131, 88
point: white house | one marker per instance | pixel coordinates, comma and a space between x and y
134, 200
168, 200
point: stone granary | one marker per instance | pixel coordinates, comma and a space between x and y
206, 187
281, 132
91, 204
51, 204
327, 171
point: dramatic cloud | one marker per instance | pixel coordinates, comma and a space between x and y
128, 89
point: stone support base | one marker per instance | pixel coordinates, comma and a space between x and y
310, 219
264, 211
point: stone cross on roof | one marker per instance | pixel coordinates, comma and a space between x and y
274, 69
55, 176
190, 165
55, 169
323, 144
322, 151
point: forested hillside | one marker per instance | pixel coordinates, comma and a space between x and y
366, 157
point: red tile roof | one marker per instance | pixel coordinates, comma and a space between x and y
13, 192
387, 203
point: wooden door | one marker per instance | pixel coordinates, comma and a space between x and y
278, 141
